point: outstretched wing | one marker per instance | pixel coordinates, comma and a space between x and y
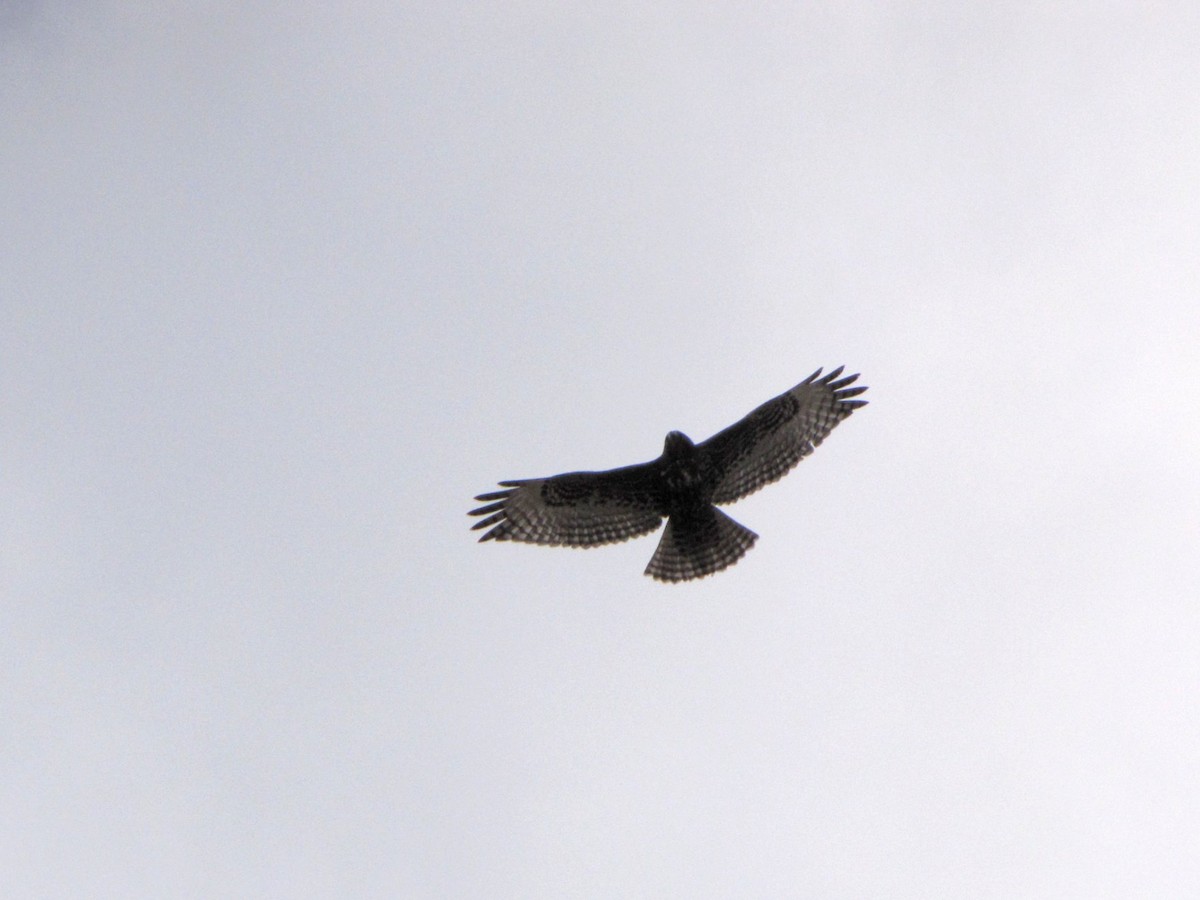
767, 444
579, 509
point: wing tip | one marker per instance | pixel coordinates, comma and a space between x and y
831, 377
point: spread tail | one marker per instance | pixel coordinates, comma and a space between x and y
697, 544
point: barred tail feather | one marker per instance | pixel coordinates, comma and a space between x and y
699, 544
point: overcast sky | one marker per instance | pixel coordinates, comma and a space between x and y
282, 286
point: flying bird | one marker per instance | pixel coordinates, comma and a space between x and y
683, 486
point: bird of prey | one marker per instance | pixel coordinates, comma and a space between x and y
684, 485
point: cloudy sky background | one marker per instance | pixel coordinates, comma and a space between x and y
283, 286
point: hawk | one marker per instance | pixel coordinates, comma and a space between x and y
683, 486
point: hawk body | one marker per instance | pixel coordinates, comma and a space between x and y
587, 509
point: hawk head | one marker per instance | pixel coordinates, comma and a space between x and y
678, 445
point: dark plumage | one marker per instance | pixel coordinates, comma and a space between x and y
587, 509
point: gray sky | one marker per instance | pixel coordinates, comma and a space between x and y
282, 287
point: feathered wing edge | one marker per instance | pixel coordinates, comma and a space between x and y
497, 515
770, 441
579, 509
